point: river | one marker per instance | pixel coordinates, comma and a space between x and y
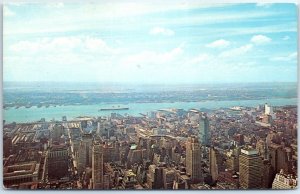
34, 113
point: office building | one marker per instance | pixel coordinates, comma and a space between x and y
168, 177
250, 165
268, 109
58, 164
204, 130
155, 177
97, 166
284, 181
57, 132
267, 175
215, 163
193, 159
85, 152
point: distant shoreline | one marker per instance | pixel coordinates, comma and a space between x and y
15, 106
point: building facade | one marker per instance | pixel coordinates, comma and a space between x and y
204, 131
284, 181
193, 159
97, 166
58, 164
250, 165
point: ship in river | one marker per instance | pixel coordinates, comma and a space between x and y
114, 108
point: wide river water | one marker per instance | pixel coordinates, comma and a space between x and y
34, 113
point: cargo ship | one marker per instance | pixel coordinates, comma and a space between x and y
114, 108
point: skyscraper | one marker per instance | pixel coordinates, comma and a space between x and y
85, 152
56, 132
155, 177
97, 166
250, 166
267, 175
215, 163
204, 130
87, 142
168, 178
268, 109
193, 159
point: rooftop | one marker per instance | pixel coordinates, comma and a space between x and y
249, 151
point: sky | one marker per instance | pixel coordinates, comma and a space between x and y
150, 42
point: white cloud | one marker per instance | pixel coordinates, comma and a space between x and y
161, 31
45, 44
95, 44
221, 43
286, 38
150, 58
270, 29
64, 44
200, 59
7, 12
98, 45
260, 39
287, 58
236, 52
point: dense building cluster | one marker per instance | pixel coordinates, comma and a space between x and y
236, 148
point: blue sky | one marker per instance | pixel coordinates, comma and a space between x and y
147, 42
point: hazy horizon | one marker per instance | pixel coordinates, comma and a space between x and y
31, 83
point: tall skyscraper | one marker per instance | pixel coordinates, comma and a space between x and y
85, 152
281, 158
268, 109
204, 130
193, 159
56, 132
274, 155
250, 165
155, 177
97, 166
87, 142
267, 175
215, 163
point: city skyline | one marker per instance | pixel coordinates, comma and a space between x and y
132, 42
249, 148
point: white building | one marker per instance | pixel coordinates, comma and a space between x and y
268, 109
283, 181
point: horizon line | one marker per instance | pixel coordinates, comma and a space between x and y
147, 83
